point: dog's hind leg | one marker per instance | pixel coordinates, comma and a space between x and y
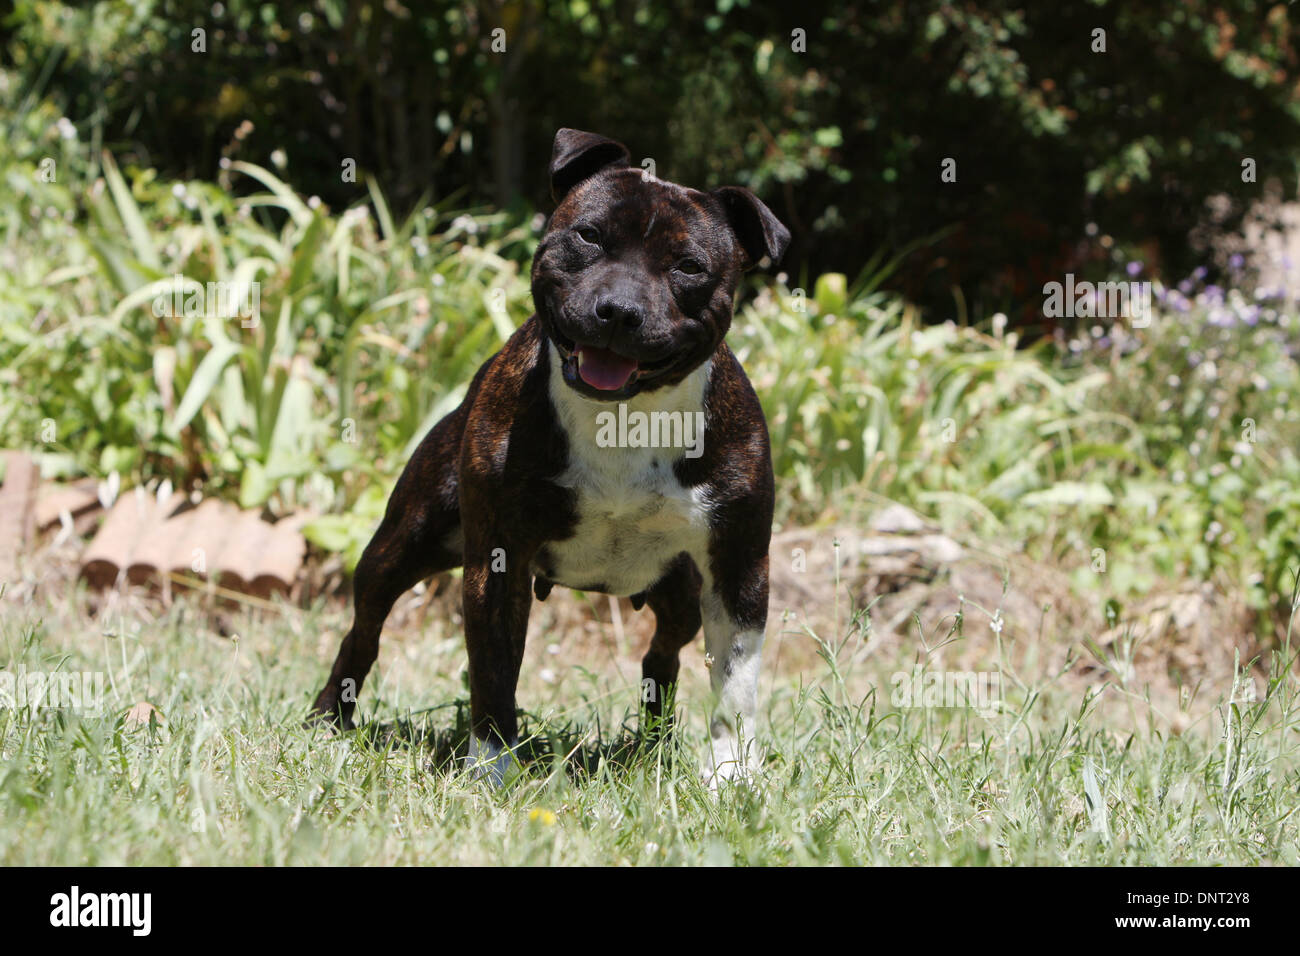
419, 536
675, 599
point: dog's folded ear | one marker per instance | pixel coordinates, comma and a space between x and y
577, 155
760, 233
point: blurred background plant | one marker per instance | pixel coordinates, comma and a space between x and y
1134, 456
367, 330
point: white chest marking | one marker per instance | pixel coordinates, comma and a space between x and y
634, 516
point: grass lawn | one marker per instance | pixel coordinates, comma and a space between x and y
1059, 771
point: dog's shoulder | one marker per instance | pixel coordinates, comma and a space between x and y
736, 458
516, 369
510, 429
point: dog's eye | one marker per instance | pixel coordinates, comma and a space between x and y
588, 234
690, 267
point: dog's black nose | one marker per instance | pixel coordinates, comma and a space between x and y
626, 314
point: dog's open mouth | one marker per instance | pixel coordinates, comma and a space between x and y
605, 369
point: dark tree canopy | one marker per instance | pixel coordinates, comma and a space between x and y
841, 114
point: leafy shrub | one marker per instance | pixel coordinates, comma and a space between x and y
1209, 385
366, 331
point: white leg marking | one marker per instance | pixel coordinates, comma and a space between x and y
488, 761
734, 655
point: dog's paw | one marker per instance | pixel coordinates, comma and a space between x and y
326, 714
329, 722
492, 763
730, 761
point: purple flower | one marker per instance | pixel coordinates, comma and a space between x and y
1236, 261
1199, 273
1133, 268
1185, 287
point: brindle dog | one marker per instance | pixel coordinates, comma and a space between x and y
527, 485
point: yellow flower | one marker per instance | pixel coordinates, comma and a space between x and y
545, 817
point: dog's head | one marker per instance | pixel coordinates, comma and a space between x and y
635, 277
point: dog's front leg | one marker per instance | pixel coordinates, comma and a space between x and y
675, 599
735, 619
497, 596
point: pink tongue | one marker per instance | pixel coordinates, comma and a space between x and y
603, 369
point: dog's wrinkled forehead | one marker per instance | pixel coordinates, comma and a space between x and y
631, 208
